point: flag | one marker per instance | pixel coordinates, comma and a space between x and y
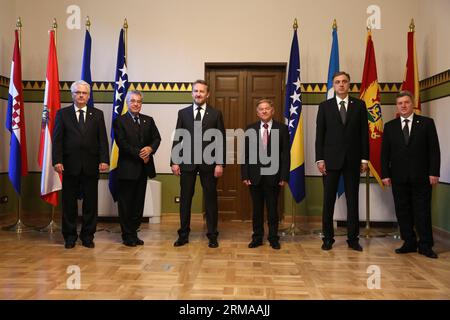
370, 93
333, 67
294, 120
119, 107
86, 66
51, 181
15, 121
411, 81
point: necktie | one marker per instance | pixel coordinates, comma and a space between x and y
406, 131
342, 111
198, 117
137, 128
81, 120
265, 134
136, 121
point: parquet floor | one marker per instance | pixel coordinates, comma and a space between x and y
34, 265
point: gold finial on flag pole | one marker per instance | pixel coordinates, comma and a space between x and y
55, 27
88, 24
125, 39
412, 26
334, 24
19, 29
295, 25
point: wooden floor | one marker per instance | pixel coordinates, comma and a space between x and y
34, 265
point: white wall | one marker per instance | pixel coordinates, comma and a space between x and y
432, 36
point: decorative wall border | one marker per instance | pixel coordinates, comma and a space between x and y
432, 88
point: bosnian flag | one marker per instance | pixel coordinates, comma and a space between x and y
15, 122
51, 181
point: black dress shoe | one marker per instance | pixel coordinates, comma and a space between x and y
88, 244
213, 243
428, 252
69, 244
180, 242
275, 245
129, 243
255, 244
139, 242
327, 244
355, 246
405, 248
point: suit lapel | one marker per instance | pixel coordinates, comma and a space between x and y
414, 127
350, 110
398, 128
335, 108
73, 117
88, 119
206, 116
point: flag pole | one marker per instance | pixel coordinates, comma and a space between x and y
292, 229
125, 40
88, 24
18, 226
52, 227
368, 232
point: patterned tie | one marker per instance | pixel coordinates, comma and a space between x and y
198, 117
81, 120
406, 131
343, 111
265, 134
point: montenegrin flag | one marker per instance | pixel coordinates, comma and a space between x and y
370, 93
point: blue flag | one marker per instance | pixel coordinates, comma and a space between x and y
86, 65
332, 69
119, 107
294, 120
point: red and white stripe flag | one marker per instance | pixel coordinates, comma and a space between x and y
51, 181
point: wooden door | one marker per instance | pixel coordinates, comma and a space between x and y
234, 89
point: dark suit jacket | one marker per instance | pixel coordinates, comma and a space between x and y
212, 119
416, 161
80, 151
130, 142
252, 172
336, 142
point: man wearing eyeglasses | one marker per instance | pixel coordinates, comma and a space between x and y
138, 139
79, 153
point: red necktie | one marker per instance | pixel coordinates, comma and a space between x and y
265, 134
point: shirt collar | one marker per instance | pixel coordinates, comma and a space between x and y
203, 106
338, 100
410, 118
84, 109
132, 115
269, 123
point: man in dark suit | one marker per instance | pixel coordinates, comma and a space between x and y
265, 187
188, 160
342, 147
80, 151
138, 139
410, 162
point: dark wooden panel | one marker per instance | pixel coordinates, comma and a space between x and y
234, 89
